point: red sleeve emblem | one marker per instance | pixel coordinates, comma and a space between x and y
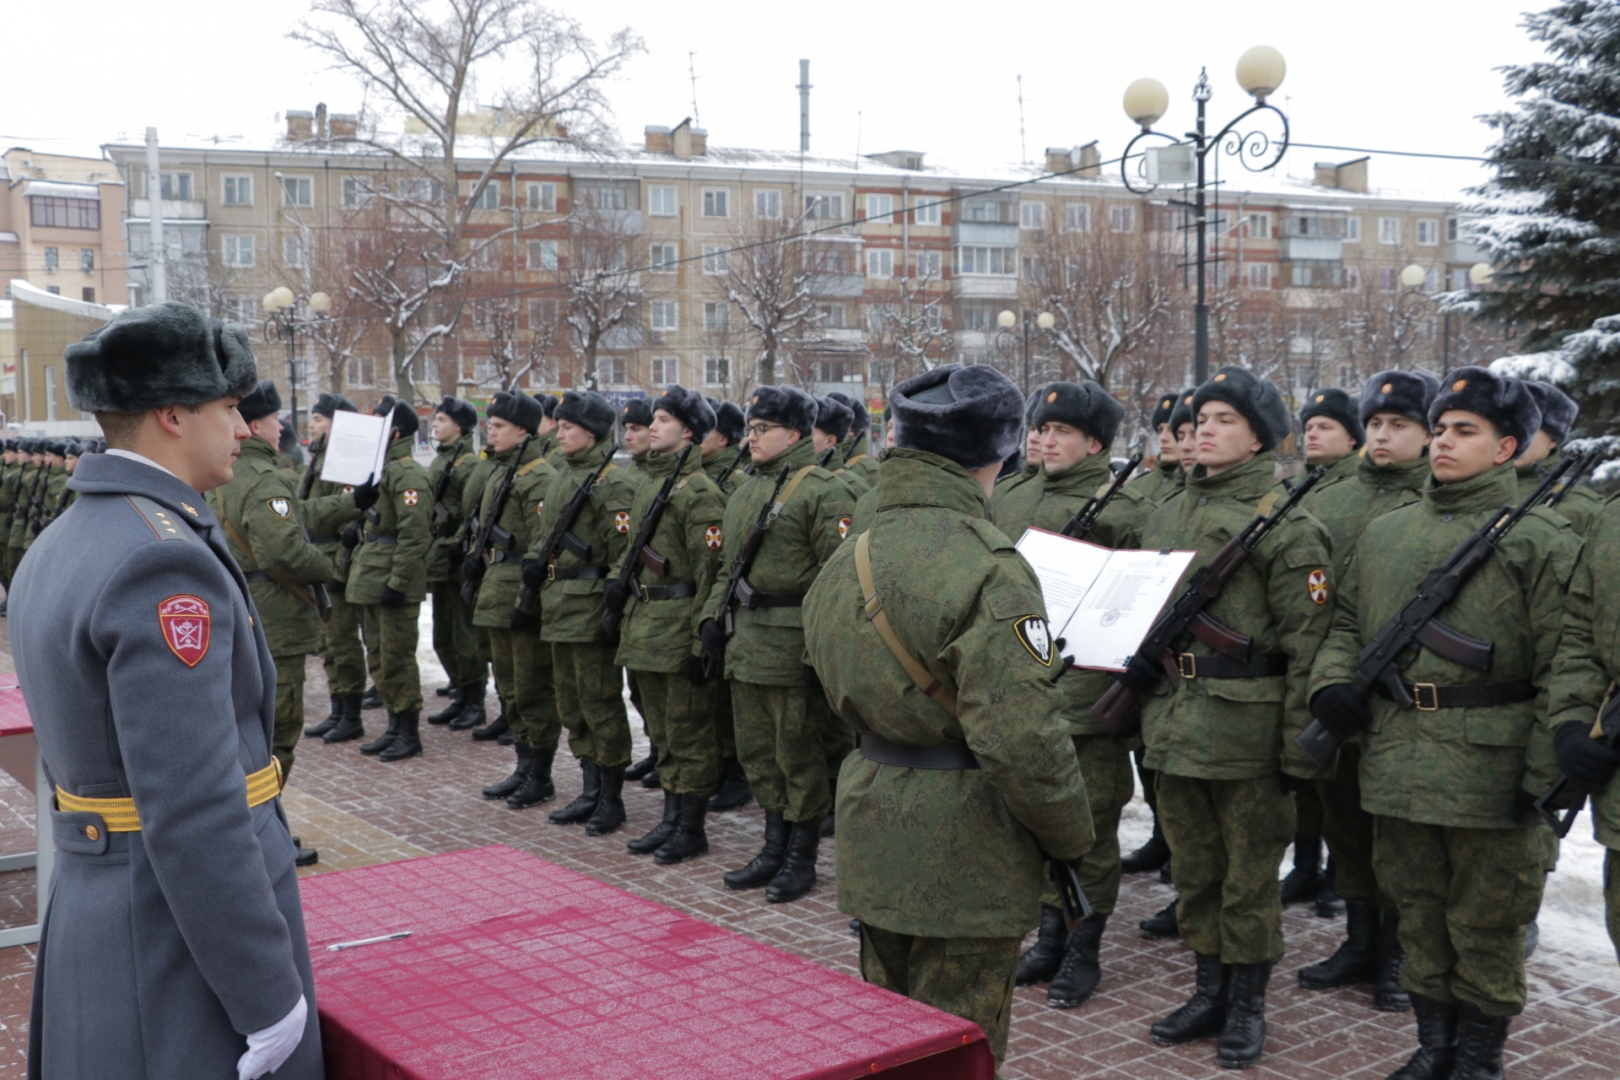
843, 528
621, 521
1318, 585
185, 622
711, 537
410, 497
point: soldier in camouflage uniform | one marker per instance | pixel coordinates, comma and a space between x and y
1077, 424
857, 452
781, 714
1163, 474
10, 473
31, 482
455, 642
1032, 457
634, 420
1580, 505
956, 796
725, 451
1221, 736
522, 660
48, 488
388, 578
658, 641
1449, 782
834, 420
590, 686
456, 555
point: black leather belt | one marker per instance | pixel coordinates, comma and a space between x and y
951, 756
1431, 698
666, 592
380, 538
257, 577
325, 538
774, 600
576, 573
1222, 667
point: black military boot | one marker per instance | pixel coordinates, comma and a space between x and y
609, 812
472, 712
733, 791
525, 756
1150, 856
1205, 1012
1480, 1040
645, 765
585, 804
1044, 957
651, 780
305, 856
537, 786
1304, 881
494, 729
372, 699
408, 742
798, 873
1532, 938
1387, 993
386, 739
450, 711
1329, 904
447, 690
1243, 1038
1437, 1038
1077, 979
1355, 962
652, 841
351, 726
763, 867
829, 823
690, 839
1161, 925
332, 720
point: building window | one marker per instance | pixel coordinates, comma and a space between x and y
238, 251
65, 213
176, 186
88, 294
241, 309
767, 203
1389, 279
52, 259
489, 198
716, 202
542, 196
1389, 230
357, 192
292, 252
715, 259
832, 316
717, 371
486, 256
1260, 226
926, 209
543, 313
1032, 215
1259, 275
982, 210
716, 315
1453, 233
612, 370
1431, 280
978, 315
297, 191
665, 370
1077, 217
664, 256
880, 262
661, 201
238, 191
54, 290
987, 260
928, 264
1428, 232
1352, 277
87, 260
824, 207
880, 209
665, 314
542, 254
1122, 218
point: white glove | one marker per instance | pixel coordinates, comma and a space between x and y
269, 1049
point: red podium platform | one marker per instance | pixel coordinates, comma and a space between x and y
519, 969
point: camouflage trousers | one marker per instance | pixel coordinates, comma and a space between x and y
967, 977
1465, 897
1611, 897
590, 700
523, 676
391, 634
725, 725
454, 641
289, 710
781, 732
341, 650
1106, 768
14, 554
1150, 780
680, 722
1227, 838
1348, 830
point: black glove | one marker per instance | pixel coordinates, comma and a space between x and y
695, 672
616, 596
351, 536
534, 575
1140, 676
1291, 783
365, 496
713, 636
391, 597
1584, 759
522, 620
1341, 710
456, 554
472, 569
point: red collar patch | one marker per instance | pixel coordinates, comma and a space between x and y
185, 621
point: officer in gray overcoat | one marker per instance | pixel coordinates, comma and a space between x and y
174, 941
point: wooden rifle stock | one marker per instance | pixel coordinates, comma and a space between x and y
630, 569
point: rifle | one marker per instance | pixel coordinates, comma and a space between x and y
1085, 518
1582, 463
469, 587
827, 456
745, 558
641, 554
560, 535
36, 500
441, 512
1416, 624
1186, 613
1606, 729
724, 476
310, 473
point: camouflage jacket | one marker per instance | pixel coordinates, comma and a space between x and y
46, 505
725, 470
1006, 484
659, 635
1160, 482
768, 646
1238, 729
394, 552
519, 520
31, 489
449, 498
1370, 491
328, 509
1580, 505
1456, 766
860, 460
1048, 502
571, 609
9, 477
946, 853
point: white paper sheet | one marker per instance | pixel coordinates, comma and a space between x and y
1066, 569
356, 449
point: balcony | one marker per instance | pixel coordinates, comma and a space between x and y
985, 287
1311, 248
1465, 251
839, 339
839, 286
985, 232
172, 209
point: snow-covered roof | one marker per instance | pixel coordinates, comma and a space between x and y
61, 190
24, 293
5, 310
10, 238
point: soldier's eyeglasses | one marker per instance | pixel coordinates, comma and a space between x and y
761, 427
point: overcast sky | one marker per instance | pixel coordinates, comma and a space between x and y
1388, 74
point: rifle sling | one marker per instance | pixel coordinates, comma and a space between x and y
241, 541
1610, 704
880, 622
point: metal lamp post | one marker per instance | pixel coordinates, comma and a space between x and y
1413, 278
1260, 72
282, 322
1006, 340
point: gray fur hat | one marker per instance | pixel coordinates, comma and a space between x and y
1183, 413
1260, 403
637, 410
1404, 393
404, 419
972, 415
834, 417
515, 407
1336, 405
728, 420
588, 409
462, 413
785, 405
548, 404
687, 407
166, 354
1558, 409
261, 402
327, 404
1503, 400
863, 418
1086, 406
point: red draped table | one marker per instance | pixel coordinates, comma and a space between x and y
19, 756
516, 968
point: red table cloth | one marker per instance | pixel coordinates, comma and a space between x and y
14, 718
517, 968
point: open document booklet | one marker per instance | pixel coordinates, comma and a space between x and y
357, 448
1102, 602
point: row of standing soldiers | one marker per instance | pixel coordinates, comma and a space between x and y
34, 492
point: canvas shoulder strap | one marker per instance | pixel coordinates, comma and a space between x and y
880, 622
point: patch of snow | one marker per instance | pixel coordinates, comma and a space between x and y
60, 190
1552, 367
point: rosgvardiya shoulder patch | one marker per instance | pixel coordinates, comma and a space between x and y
1033, 634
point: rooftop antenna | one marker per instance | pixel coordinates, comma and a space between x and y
1023, 149
804, 106
691, 68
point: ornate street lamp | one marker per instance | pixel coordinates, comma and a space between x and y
282, 322
1413, 278
1007, 341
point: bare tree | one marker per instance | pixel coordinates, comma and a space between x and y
771, 280
604, 292
906, 330
513, 355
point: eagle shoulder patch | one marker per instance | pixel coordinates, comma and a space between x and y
282, 508
712, 538
411, 497
621, 522
1032, 633
1318, 585
843, 527
186, 623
